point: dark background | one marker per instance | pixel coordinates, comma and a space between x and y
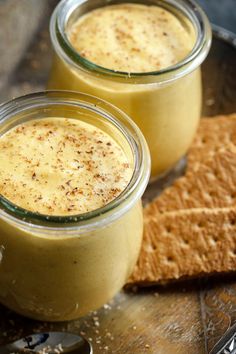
221, 12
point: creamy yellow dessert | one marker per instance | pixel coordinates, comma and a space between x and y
132, 38
165, 98
58, 166
59, 270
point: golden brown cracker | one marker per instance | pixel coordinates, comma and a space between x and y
187, 243
211, 185
190, 230
213, 133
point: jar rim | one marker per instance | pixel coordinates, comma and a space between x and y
111, 211
189, 9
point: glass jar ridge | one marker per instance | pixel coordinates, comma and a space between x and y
165, 104
67, 9
40, 101
55, 268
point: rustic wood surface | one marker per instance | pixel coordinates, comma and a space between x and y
184, 318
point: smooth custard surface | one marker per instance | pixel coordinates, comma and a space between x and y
132, 37
60, 166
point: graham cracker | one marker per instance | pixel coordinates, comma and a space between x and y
210, 184
190, 230
187, 244
213, 134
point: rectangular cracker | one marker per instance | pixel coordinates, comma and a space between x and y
190, 230
210, 184
187, 244
213, 134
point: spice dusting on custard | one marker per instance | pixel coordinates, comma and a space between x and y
132, 37
60, 166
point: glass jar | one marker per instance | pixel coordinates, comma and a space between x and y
59, 268
165, 104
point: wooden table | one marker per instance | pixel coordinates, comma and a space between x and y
186, 318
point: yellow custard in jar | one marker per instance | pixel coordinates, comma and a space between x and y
142, 57
132, 38
57, 166
71, 218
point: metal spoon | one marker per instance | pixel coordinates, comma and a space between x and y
227, 344
49, 343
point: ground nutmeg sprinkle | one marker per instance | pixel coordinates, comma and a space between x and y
60, 166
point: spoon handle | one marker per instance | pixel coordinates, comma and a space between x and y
10, 349
50, 343
227, 344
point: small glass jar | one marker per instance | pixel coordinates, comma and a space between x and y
165, 104
59, 268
